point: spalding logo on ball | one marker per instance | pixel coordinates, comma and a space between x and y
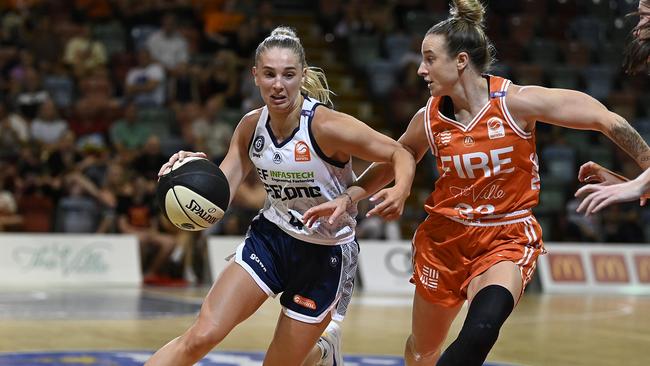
194, 194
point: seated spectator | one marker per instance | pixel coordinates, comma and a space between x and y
9, 219
168, 46
45, 44
83, 54
184, 85
78, 211
221, 77
136, 215
127, 134
14, 133
48, 128
145, 83
36, 206
88, 120
150, 159
64, 158
211, 134
31, 95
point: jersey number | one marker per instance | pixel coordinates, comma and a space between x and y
468, 211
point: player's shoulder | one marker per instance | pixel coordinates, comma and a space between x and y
327, 118
248, 122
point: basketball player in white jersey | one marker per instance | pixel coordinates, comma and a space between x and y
606, 187
301, 151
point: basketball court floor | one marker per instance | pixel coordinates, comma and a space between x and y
121, 327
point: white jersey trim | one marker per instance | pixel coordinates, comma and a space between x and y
506, 112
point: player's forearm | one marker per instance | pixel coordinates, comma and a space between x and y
404, 169
644, 179
628, 139
372, 180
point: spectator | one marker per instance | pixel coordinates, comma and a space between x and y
137, 216
168, 46
9, 219
14, 132
83, 54
145, 83
150, 160
31, 95
128, 134
221, 77
45, 44
48, 128
78, 211
211, 133
184, 84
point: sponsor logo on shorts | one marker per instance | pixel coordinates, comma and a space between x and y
304, 302
334, 261
429, 277
301, 152
257, 260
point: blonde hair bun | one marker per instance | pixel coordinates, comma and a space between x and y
283, 31
469, 10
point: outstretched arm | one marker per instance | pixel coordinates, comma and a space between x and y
572, 109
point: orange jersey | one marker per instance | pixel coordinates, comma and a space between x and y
488, 170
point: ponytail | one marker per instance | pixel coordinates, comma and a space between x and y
315, 85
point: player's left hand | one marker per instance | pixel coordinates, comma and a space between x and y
591, 172
599, 196
391, 203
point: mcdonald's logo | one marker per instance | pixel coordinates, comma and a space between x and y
610, 268
566, 268
642, 267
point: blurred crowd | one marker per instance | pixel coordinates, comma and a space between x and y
96, 94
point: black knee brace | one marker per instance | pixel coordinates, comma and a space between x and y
488, 311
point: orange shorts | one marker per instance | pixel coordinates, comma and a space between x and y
447, 254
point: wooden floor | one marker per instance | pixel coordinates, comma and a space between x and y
543, 330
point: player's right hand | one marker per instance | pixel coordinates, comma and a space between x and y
333, 209
591, 172
179, 156
598, 196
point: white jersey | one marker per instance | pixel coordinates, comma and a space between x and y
297, 176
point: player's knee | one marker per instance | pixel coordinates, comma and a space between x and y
420, 353
488, 311
480, 335
200, 340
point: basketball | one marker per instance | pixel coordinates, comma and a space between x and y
194, 194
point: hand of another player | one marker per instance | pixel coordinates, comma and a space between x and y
333, 209
598, 196
591, 172
391, 203
179, 156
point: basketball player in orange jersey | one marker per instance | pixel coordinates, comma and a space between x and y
480, 241
301, 150
607, 187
